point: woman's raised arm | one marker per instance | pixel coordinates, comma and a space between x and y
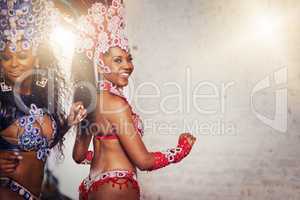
121, 118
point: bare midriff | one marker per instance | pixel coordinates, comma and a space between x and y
29, 173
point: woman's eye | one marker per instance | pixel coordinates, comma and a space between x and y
22, 56
4, 57
118, 60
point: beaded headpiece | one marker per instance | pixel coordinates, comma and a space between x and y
27, 21
102, 28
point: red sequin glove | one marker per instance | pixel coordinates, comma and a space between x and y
88, 158
173, 155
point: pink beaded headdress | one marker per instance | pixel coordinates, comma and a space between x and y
102, 28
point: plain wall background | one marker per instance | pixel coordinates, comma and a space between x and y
180, 44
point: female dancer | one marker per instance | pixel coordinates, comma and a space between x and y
30, 122
116, 130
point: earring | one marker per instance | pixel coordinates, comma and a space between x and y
106, 69
40, 80
4, 87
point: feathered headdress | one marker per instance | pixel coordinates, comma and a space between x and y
102, 28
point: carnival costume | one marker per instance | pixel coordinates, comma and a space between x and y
27, 22
102, 28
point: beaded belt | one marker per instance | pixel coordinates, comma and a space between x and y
17, 188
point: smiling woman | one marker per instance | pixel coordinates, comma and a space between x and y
31, 124
15, 64
117, 139
115, 58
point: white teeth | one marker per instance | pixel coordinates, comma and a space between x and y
125, 74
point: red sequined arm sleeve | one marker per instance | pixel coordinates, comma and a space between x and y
174, 155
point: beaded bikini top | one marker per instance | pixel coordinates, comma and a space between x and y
29, 124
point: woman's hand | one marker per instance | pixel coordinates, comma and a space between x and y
189, 137
174, 155
77, 113
185, 143
9, 161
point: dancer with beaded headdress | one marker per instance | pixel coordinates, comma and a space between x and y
32, 120
116, 130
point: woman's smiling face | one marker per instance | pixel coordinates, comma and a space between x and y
120, 64
15, 64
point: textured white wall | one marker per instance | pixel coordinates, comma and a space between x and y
220, 48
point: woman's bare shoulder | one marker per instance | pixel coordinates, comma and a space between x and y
114, 104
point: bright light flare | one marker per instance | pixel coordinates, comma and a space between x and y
267, 26
65, 40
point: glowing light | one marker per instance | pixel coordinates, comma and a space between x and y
63, 39
267, 26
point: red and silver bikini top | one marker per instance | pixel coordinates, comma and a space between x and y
137, 122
